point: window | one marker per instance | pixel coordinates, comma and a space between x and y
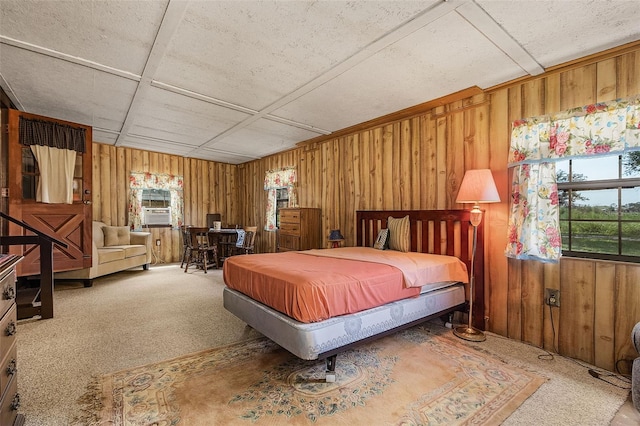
282, 200
599, 201
156, 191
31, 175
280, 187
156, 198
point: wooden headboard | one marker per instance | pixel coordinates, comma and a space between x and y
434, 231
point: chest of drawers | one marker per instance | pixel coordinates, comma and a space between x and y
300, 229
9, 397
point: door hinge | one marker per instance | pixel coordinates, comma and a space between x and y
5, 192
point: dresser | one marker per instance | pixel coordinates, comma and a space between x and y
299, 229
9, 397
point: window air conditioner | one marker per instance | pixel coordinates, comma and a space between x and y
156, 215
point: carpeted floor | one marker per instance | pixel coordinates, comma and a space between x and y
139, 317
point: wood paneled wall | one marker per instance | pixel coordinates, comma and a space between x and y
598, 300
418, 163
208, 188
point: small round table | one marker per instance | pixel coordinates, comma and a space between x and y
335, 243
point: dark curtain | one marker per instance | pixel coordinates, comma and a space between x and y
49, 133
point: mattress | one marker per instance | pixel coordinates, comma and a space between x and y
312, 288
315, 285
319, 339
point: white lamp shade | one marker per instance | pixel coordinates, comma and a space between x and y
478, 186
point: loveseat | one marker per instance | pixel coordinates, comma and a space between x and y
115, 248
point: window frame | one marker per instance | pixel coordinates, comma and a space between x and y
603, 184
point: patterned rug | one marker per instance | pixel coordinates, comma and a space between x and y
415, 377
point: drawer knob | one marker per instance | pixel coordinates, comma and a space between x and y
15, 404
9, 293
11, 329
12, 367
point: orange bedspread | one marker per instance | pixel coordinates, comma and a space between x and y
313, 288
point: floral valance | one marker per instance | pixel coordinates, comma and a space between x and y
599, 129
280, 178
146, 180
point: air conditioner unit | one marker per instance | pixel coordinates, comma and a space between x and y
156, 215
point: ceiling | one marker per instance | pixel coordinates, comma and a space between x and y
234, 81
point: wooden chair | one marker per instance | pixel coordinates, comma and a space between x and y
228, 242
186, 242
202, 250
246, 241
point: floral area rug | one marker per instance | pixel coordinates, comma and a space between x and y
414, 377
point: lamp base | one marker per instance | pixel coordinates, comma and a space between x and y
469, 333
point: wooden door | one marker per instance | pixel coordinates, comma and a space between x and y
69, 223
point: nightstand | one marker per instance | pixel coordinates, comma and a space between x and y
336, 243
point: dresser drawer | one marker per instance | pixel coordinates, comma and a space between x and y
288, 242
8, 330
8, 368
290, 228
289, 216
9, 403
7, 291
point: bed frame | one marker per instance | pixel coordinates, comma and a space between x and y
432, 231
428, 226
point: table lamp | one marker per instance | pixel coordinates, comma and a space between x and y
477, 187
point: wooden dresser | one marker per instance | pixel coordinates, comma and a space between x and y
300, 229
9, 397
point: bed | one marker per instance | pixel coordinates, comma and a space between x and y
383, 294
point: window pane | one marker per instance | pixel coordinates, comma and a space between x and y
631, 203
28, 161
631, 165
77, 173
77, 189
563, 202
562, 171
595, 200
595, 168
594, 237
29, 187
631, 239
564, 232
156, 198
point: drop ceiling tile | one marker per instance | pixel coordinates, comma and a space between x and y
221, 156
67, 91
261, 138
253, 53
170, 116
432, 62
155, 145
101, 136
555, 31
118, 34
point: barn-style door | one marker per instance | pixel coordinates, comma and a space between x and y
69, 223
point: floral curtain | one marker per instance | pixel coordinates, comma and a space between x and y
139, 181
536, 144
278, 179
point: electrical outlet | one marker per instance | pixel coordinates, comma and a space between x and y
158, 242
552, 297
